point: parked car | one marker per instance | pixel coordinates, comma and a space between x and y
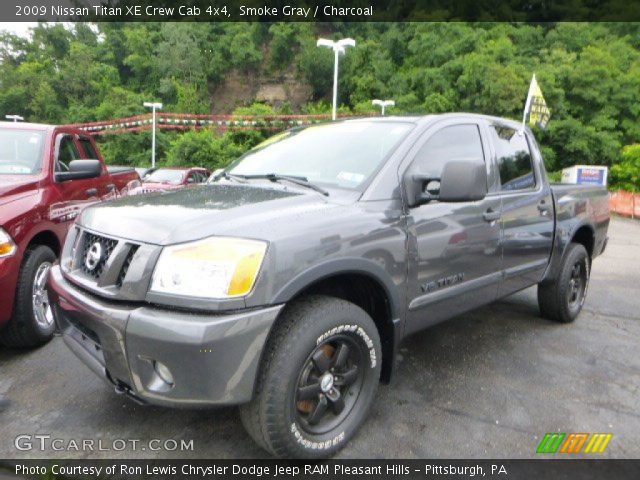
287, 284
47, 175
171, 178
144, 171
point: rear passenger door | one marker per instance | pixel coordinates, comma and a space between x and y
105, 189
527, 209
453, 248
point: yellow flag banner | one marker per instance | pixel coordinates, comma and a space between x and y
536, 108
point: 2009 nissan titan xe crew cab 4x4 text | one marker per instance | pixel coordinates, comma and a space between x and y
286, 284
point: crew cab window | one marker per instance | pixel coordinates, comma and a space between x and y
87, 146
67, 152
457, 142
514, 159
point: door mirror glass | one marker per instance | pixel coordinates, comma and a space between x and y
79, 169
461, 181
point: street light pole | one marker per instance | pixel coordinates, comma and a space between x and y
153, 107
338, 47
15, 118
383, 103
334, 102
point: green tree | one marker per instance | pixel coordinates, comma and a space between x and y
203, 148
626, 174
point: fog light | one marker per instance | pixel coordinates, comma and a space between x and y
163, 372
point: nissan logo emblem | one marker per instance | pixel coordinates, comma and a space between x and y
94, 255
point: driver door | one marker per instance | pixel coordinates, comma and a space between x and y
454, 248
73, 195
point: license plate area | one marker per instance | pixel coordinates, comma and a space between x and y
88, 339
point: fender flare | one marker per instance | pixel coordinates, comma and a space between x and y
44, 227
339, 266
560, 246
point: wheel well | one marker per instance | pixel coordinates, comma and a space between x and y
48, 239
585, 237
369, 295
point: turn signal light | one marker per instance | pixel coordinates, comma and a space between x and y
7, 247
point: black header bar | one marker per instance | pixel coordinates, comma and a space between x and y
323, 470
536, 11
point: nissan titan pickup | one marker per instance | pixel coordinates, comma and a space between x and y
286, 283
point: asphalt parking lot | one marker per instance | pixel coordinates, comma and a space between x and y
487, 384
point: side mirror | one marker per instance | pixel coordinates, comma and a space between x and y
461, 181
79, 169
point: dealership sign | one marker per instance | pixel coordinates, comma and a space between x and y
574, 443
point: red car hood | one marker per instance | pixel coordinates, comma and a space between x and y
13, 185
159, 186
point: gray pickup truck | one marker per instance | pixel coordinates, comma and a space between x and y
287, 282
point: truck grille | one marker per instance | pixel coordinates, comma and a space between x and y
114, 268
107, 246
126, 265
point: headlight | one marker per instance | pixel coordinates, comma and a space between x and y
216, 267
7, 246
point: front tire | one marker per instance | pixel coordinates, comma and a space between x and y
32, 322
562, 298
319, 374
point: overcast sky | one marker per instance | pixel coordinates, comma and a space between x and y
18, 28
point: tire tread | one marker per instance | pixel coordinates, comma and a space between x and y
552, 294
19, 332
261, 416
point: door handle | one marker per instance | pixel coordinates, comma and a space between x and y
491, 215
92, 192
543, 208
111, 187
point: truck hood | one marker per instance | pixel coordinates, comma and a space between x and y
252, 211
13, 187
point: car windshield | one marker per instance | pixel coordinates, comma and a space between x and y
165, 176
20, 151
342, 154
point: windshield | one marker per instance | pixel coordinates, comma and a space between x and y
165, 176
340, 154
20, 151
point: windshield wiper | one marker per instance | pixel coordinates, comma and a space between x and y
229, 176
302, 181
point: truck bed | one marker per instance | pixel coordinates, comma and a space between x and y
578, 205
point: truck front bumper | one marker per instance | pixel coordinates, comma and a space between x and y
211, 359
9, 271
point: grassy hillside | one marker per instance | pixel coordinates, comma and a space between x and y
589, 73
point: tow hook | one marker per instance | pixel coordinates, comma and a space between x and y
123, 389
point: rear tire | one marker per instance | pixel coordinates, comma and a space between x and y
32, 323
319, 374
562, 298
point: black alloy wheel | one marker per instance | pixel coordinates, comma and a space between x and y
329, 384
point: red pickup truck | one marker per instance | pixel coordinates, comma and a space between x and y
47, 175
